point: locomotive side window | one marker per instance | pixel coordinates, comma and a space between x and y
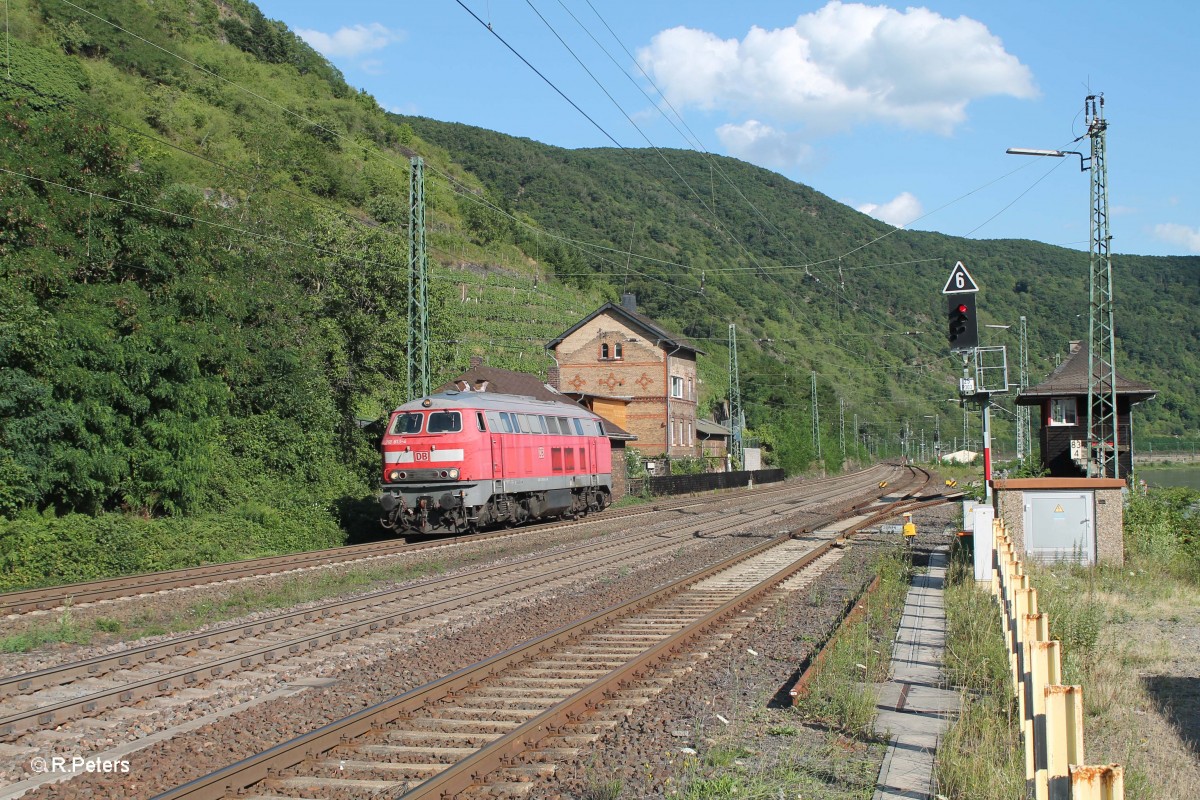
406, 423
479, 421
564, 427
523, 422
555, 428
578, 426
507, 422
445, 422
546, 427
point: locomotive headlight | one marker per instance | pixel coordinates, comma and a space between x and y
394, 475
453, 473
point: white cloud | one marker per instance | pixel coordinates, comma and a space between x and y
1180, 235
899, 211
764, 145
351, 42
842, 65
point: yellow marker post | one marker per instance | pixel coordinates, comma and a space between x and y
909, 529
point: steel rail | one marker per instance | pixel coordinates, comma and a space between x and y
239, 776
23, 601
251, 770
97, 701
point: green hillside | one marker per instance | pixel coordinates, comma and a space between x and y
203, 296
833, 290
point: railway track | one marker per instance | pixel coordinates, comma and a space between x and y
51, 597
488, 730
52, 696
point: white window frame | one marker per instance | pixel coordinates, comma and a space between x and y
1064, 411
677, 387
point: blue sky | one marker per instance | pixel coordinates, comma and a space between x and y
904, 112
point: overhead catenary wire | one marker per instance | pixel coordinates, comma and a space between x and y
260, 97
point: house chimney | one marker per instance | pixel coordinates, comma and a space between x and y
476, 361
552, 376
1074, 346
629, 302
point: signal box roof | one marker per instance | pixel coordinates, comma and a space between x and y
1071, 379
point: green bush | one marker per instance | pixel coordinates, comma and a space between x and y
1163, 527
41, 549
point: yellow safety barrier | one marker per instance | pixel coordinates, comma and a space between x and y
1051, 714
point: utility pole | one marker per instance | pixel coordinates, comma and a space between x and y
857, 442
737, 419
816, 418
1024, 432
842, 424
417, 348
1102, 373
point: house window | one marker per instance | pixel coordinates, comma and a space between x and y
691, 389
671, 428
676, 386
617, 351
1062, 411
604, 352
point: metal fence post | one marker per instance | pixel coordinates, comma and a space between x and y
1098, 783
1064, 737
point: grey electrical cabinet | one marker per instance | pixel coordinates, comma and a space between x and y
1060, 526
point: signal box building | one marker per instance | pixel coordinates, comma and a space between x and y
627, 363
1062, 400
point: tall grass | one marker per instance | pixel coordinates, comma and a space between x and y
841, 696
980, 756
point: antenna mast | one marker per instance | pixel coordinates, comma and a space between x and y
417, 349
737, 419
1103, 444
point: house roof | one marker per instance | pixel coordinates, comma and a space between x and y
661, 334
506, 381
710, 428
1071, 378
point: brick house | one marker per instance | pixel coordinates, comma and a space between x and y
627, 362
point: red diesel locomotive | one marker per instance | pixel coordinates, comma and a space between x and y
459, 461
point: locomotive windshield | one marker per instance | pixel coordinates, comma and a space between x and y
445, 422
405, 423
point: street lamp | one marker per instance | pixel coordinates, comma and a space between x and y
1029, 151
1103, 421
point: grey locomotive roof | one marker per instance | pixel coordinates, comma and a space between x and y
493, 401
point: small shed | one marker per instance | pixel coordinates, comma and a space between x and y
1062, 400
1077, 520
714, 443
